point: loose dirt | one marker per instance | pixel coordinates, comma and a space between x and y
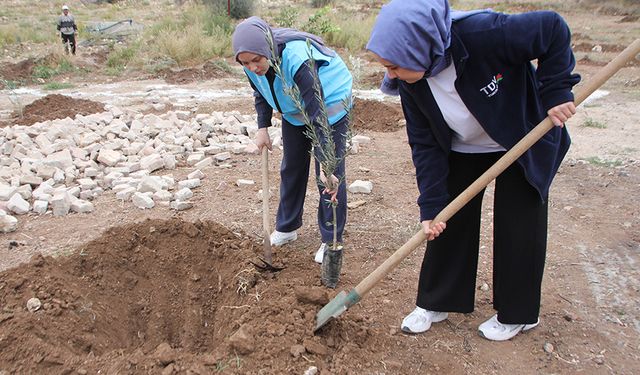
55, 106
19, 71
378, 116
165, 294
208, 71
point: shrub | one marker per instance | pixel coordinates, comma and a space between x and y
121, 56
53, 66
287, 17
320, 24
239, 8
351, 34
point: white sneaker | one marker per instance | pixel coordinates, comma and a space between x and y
320, 253
420, 320
281, 238
493, 330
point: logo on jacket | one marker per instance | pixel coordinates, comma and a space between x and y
492, 88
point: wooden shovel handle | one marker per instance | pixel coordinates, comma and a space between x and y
505, 161
265, 191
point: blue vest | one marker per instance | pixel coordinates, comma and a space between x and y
334, 77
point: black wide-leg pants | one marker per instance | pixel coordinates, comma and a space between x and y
294, 174
448, 275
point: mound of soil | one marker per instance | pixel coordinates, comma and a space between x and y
19, 71
377, 116
183, 76
56, 106
168, 293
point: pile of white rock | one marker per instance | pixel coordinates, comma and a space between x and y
60, 166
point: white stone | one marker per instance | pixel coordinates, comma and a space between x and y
18, 205
111, 177
86, 195
81, 206
8, 223
194, 158
190, 184
181, 205
74, 191
152, 162
169, 161
169, 181
87, 183
109, 157
196, 174
89, 139
61, 159
243, 182
33, 304
40, 207
60, 203
355, 148
45, 171
359, 186
252, 149
42, 196
7, 192
222, 156
143, 201
183, 194
25, 191
204, 163
162, 196
126, 194
152, 184
361, 139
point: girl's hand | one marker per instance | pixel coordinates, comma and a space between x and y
561, 113
434, 232
263, 139
330, 186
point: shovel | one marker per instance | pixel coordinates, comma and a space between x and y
341, 302
266, 262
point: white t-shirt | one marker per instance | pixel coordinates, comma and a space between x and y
468, 135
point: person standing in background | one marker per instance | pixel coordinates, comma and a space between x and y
68, 30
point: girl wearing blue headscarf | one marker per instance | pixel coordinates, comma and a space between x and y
253, 51
469, 93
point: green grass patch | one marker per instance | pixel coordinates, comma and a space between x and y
352, 34
57, 86
121, 56
595, 160
53, 68
197, 36
591, 123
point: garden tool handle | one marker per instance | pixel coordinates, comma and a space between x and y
265, 204
505, 161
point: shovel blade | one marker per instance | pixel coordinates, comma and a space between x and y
339, 304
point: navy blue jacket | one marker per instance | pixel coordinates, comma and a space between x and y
502, 89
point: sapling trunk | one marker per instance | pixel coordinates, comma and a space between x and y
325, 152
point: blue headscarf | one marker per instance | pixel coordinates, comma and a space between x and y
251, 36
413, 34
